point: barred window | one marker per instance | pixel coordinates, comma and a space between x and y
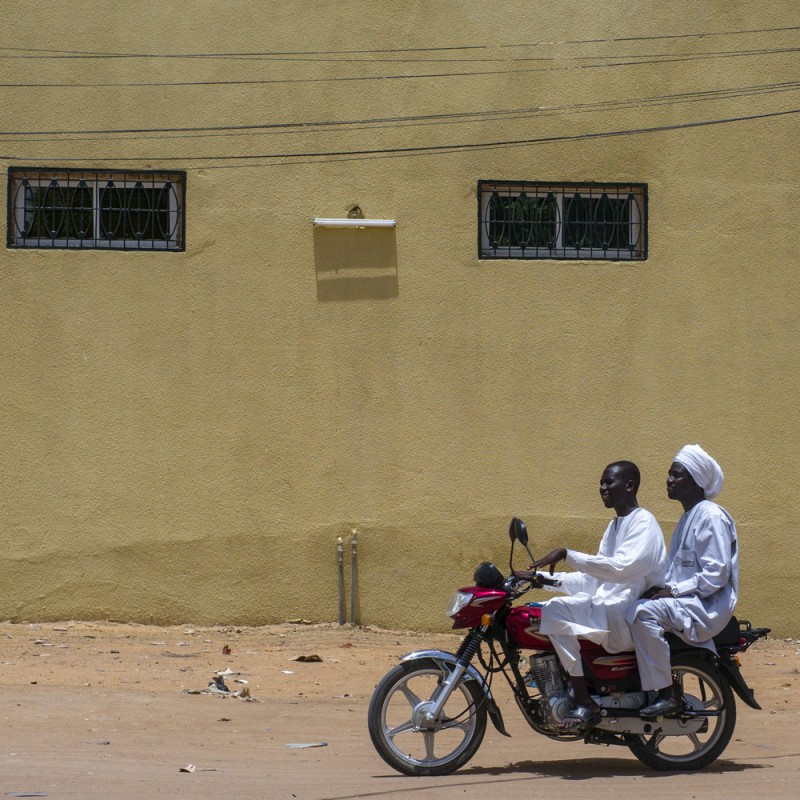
562, 220
96, 209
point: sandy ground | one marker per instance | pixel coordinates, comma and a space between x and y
94, 710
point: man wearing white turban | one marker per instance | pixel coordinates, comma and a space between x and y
702, 581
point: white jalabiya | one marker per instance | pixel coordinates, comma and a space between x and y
631, 558
704, 568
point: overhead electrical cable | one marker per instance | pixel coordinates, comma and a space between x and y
317, 126
38, 52
485, 59
631, 62
421, 149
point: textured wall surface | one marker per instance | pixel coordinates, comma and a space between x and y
185, 435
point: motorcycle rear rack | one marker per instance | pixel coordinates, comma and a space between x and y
747, 635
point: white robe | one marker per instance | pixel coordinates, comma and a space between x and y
631, 558
704, 568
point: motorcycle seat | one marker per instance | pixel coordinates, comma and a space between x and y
727, 637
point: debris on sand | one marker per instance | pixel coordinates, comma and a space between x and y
218, 687
194, 768
305, 745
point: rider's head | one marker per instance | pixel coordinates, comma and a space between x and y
619, 485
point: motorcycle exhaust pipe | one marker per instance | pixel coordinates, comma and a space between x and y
353, 576
340, 556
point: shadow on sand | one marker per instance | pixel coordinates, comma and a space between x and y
587, 768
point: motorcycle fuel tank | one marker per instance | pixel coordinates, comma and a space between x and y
523, 625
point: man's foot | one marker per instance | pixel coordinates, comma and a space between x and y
581, 717
666, 704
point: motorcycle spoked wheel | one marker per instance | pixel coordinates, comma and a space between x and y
397, 731
700, 679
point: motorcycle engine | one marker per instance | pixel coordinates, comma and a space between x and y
548, 676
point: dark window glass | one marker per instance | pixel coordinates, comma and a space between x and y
64, 208
580, 221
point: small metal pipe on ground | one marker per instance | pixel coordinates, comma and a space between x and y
353, 577
340, 556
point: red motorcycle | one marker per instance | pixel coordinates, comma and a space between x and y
427, 716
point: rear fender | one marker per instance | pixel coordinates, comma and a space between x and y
728, 668
447, 661
731, 671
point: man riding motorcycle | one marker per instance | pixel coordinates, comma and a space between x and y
631, 558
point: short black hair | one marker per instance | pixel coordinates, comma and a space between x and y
630, 471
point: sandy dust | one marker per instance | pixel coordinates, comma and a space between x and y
103, 710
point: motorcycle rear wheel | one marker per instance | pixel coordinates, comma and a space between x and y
401, 737
700, 679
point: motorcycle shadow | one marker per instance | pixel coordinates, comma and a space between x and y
601, 767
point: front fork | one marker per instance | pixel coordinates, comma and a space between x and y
465, 654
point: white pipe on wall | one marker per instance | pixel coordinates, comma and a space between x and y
354, 222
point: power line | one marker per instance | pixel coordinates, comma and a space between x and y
314, 59
423, 149
492, 115
47, 53
633, 61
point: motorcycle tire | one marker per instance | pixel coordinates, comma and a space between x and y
700, 679
404, 740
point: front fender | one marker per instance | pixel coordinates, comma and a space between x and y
444, 658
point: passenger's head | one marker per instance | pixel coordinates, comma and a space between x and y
705, 471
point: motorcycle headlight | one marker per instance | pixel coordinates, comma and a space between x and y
460, 599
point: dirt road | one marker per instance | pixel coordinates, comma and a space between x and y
113, 711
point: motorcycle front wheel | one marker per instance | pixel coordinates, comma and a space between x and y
406, 739
699, 679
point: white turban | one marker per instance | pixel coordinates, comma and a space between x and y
704, 469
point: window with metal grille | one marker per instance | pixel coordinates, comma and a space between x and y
562, 220
96, 209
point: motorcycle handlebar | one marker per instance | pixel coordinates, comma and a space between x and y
537, 580
548, 581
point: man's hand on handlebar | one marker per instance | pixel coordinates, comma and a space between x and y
529, 575
550, 560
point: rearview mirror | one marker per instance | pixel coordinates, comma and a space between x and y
518, 532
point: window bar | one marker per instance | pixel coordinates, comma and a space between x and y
563, 221
55, 208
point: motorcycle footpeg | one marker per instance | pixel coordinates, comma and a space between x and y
679, 713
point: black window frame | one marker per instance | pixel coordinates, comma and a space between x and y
562, 220
96, 209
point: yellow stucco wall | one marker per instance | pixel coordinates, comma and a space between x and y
184, 436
